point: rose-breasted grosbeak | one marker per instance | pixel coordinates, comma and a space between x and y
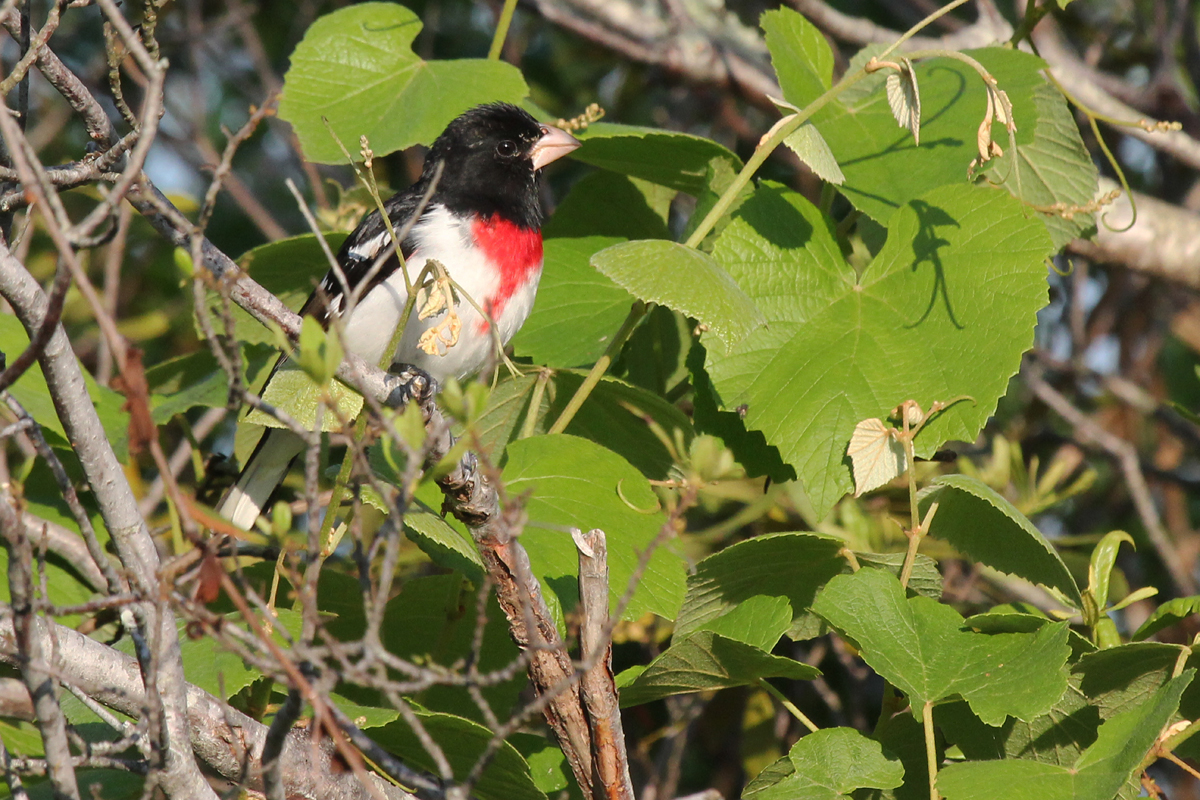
482, 222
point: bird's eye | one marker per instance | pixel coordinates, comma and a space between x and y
506, 148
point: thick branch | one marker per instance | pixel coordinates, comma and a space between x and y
227, 741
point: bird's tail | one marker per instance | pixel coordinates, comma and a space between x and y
264, 470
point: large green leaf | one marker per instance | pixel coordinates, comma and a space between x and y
197, 379
680, 161
984, 526
802, 58
614, 416
576, 483
789, 565
703, 661
434, 621
462, 742
31, 391
607, 204
944, 310
687, 280
919, 645
1054, 168
356, 68
830, 763
1098, 774
577, 309
884, 170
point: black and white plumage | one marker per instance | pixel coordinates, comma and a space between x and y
482, 221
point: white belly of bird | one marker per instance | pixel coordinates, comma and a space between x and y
368, 330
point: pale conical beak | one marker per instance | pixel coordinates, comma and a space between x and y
554, 144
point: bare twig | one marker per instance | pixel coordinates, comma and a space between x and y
1126, 456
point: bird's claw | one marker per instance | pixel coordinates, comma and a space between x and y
414, 384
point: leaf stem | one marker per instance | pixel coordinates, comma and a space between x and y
506, 15
764, 684
535, 403
636, 313
930, 749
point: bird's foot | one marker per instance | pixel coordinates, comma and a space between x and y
413, 384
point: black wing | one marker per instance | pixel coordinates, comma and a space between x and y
360, 250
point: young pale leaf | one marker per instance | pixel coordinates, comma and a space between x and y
831, 763
904, 99
876, 455
800, 54
702, 661
356, 68
684, 279
810, 147
986, 527
1166, 615
1121, 744
575, 483
840, 347
920, 646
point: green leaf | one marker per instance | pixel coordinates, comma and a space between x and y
1056, 737
1104, 557
680, 161
800, 54
433, 621
319, 353
356, 68
830, 763
1166, 615
445, 544
703, 661
957, 285
293, 390
1054, 168
810, 147
920, 646
788, 565
31, 391
758, 621
607, 204
288, 269
577, 309
885, 169
180, 384
576, 483
684, 279
462, 741
614, 416
925, 579
984, 526
1100, 772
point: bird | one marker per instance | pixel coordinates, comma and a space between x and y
476, 210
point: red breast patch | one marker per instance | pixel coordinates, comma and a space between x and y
515, 250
